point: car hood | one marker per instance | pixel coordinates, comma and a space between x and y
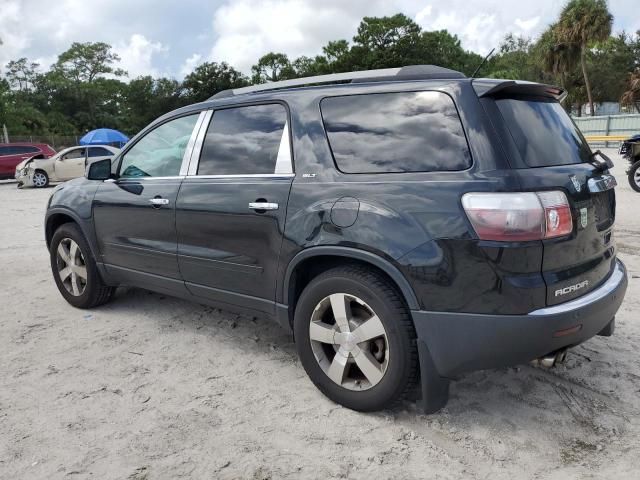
23, 164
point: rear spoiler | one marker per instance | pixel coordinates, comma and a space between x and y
487, 87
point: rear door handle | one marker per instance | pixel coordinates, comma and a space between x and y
263, 206
156, 202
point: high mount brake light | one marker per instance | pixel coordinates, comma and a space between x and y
518, 216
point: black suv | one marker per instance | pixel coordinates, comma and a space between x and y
407, 225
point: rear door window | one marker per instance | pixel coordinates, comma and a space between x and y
99, 152
395, 132
246, 141
542, 132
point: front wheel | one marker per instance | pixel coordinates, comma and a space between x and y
355, 338
634, 176
40, 179
74, 269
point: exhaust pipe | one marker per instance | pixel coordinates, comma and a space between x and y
550, 360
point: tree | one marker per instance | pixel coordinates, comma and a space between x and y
21, 73
514, 60
272, 67
584, 23
631, 95
84, 62
383, 42
210, 78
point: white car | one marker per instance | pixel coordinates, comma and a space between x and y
64, 165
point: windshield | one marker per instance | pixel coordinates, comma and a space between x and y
543, 132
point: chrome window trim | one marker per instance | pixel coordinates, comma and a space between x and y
137, 179
246, 175
194, 157
186, 158
284, 160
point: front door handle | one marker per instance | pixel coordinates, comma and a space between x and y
263, 206
157, 202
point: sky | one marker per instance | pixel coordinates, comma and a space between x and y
171, 37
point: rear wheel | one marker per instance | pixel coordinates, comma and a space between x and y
634, 176
74, 269
40, 179
355, 338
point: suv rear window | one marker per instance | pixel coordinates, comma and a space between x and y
542, 132
395, 132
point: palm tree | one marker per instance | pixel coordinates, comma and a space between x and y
557, 58
632, 95
583, 23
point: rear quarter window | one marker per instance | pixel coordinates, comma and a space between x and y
395, 132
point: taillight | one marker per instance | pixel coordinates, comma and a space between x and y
518, 216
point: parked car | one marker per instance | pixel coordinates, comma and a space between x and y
407, 225
630, 149
65, 165
11, 154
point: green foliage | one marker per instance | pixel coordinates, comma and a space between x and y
210, 78
84, 89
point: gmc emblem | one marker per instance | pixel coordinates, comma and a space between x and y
572, 288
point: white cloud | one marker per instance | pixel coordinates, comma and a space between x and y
137, 54
240, 31
190, 64
247, 29
527, 25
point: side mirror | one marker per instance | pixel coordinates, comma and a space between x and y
100, 170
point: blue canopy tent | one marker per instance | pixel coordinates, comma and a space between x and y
104, 136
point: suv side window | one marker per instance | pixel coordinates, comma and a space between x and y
159, 153
5, 150
246, 141
395, 132
76, 153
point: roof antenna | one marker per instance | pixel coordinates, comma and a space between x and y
482, 63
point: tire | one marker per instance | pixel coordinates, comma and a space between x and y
364, 291
40, 179
81, 293
633, 175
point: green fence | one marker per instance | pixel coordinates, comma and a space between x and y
613, 125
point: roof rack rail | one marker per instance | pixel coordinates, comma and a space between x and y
411, 72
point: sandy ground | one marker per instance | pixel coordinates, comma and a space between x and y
153, 387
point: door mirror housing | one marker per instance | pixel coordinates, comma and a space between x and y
100, 170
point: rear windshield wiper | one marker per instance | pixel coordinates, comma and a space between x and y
600, 166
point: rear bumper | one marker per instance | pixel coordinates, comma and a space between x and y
462, 342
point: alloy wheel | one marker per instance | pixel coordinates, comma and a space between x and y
39, 179
72, 268
349, 341
636, 177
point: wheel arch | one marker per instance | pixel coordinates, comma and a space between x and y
312, 261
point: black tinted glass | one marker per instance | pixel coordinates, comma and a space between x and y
5, 150
395, 132
543, 132
24, 149
243, 141
99, 152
